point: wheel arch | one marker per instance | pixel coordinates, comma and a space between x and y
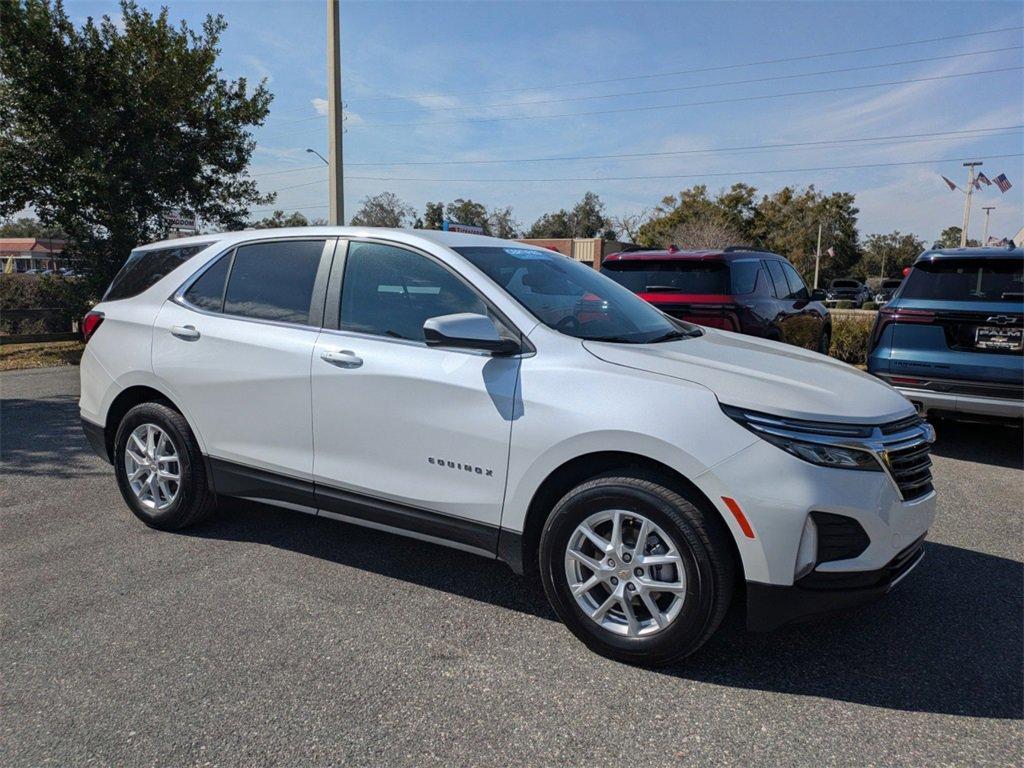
125, 400
588, 466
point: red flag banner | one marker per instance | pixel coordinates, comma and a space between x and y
950, 184
1002, 182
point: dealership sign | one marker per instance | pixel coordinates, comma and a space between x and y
454, 226
175, 218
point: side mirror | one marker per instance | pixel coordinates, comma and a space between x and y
467, 330
818, 294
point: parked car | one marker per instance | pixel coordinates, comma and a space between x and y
886, 290
507, 401
950, 339
848, 289
751, 292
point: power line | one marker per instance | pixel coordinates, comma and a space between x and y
719, 68
699, 175
640, 155
760, 97
676, 89
697, 86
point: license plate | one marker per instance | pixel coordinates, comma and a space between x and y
1006, 339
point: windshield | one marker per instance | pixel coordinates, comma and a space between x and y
670, 275
573, 298
966, 280
891, 285
845, 284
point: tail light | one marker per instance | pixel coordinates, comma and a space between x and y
90, 323
887, 317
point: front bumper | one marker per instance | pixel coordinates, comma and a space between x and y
770, 606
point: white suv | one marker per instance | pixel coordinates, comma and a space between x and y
511, 402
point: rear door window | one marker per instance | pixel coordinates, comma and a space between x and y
778, 279
987, 280
145, 267
274, 281
797, 289
744, 276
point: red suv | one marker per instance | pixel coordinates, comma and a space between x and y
746, 291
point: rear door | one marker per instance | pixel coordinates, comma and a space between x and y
235, 345
807, 322
786, 315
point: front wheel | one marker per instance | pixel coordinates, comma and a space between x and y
825, 341
635, 570
160, 469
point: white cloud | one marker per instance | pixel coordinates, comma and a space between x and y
320, 105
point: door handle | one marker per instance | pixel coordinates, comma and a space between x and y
186, 332
343, 358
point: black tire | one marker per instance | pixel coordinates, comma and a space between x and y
707, 556
825, 340
194, 499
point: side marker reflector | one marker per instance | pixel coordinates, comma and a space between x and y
740, 517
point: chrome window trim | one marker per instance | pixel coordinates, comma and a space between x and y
178, 297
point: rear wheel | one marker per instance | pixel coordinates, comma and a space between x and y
160, 469
635, 570
825, 340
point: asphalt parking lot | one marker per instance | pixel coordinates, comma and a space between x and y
267, 637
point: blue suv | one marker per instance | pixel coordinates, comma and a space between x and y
950, 339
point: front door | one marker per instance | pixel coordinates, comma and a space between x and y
409, 436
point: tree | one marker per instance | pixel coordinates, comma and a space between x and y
950, 238
887, 255
105, 127
628, 225
501, 223
468, 212
433, 216
278, 220
705, 234
730, 212
29, 227
384, 210
586, 219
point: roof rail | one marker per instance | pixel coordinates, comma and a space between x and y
733, 248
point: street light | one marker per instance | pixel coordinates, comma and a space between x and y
320, 156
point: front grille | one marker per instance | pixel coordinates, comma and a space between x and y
894, 427
912, 470
839, 537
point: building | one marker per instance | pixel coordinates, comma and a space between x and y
27, 253
589, 250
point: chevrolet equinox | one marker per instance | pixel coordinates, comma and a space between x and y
507, 401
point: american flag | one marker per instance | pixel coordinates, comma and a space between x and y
952, 186
984, 179
1002, 182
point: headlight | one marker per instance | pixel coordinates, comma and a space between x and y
827, 445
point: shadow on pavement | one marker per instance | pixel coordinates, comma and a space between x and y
947, 640
994, 444
44, 437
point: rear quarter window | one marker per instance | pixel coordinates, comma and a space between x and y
145, 268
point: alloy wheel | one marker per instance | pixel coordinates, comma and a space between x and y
152, 467
625, 573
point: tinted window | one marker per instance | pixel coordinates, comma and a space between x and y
669, 275
797, 289
966, 280
208, 291
389, 291
778, 279
845, 284
744, 276
274, 281
572, 297
144, 268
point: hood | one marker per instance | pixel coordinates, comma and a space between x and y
765, 376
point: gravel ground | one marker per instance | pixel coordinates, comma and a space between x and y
270, 638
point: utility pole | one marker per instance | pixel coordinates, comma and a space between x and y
988, 210
817, 258
335, 118
967, 200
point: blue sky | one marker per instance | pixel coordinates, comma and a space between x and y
441, 56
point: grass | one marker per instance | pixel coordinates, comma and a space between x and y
14, 357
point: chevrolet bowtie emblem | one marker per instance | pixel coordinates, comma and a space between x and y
1001, 320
